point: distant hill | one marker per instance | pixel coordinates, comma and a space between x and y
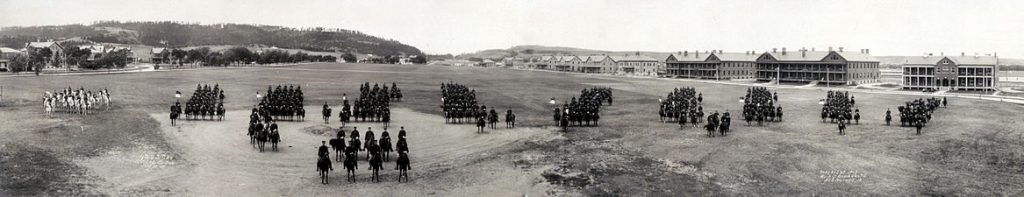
538, 50
174, 34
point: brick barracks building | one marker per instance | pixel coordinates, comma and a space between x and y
711, 65
832, 67
951, 72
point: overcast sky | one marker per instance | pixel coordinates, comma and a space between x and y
887, 27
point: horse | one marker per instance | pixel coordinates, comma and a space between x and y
327, 114
510, 119
275, 137
350, 164
492, 119
323, 165
338, 144
842, 128
480, 124
261, 138
220, 112
711, 129
856, 117
724, 127
402, 146
888, 118
385, 147
403, 166
344, 117
375, 165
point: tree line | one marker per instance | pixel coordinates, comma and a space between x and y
203, 56
178, 35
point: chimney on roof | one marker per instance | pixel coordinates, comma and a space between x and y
942, 53
867, 51
679, 52
812, 49
962, 53
829, 49
803, 52
686, 53
720, 51
929, 54
783, 50
840, 49
775, 50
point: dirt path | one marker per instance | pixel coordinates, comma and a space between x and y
218, 160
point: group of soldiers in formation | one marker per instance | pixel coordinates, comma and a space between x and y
373, 104
682, 106
838, 107
585, 110
205, 104
459, 105
283, 102
759, 105
916, 113
75, 101
377, 152
263, 129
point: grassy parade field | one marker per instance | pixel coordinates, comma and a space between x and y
972, 147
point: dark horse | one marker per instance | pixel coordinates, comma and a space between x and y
480, 124
338, 144
385, 146
510, 119
350, 164
376, 163
403, 167
323, 165
275, 137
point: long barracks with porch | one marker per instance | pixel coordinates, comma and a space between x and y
831, 67
711, 65
952, 72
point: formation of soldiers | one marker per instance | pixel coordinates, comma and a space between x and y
459, 104
839, 106
584, 111
205, 103
263, 129
373, 104
918, 112
283, 102
682, 105
760, 105
377, 151
77, 101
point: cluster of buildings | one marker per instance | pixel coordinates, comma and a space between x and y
626, 64
832, 66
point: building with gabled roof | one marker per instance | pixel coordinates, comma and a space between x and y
711, 65
830, 67
57, 56
6, 56
951, 72
635, 64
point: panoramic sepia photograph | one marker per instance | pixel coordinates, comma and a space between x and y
511, 98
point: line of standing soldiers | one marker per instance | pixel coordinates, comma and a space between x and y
759, 105
839, 107
205, 103
373, 104
283, 102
